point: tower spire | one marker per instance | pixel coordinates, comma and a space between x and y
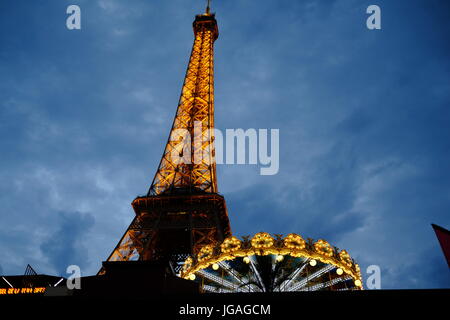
207, 7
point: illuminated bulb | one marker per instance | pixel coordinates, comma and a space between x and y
357, 283
246, 259
312, 263
339, 271
215, 266
280, 258
192, 276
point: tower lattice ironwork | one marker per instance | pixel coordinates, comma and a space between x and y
182, 210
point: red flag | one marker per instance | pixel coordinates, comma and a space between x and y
443, 236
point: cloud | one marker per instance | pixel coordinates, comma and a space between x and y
66, 246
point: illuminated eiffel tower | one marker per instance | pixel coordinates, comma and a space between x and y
182, 210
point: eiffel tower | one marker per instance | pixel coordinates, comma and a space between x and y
183, 210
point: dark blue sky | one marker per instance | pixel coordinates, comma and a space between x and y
364, 119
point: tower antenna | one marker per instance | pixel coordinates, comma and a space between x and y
207, 6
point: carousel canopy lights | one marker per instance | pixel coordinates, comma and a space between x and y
319, 255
